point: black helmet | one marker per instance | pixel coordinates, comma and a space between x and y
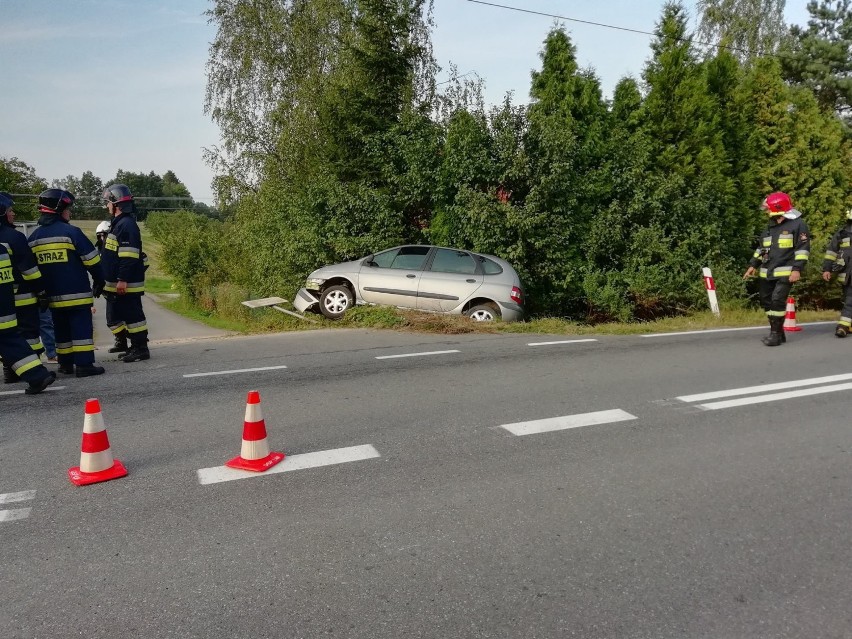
55, 201
116, 193
6, 202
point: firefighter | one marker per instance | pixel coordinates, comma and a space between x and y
838, 259
781, 257
28, 285
124, 271
66, 258
14, 349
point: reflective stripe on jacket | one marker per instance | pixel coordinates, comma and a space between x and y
122, 256
784, 247
25, 270
66, 258
838, 254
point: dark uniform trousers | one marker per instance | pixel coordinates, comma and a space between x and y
74, 343
773, 296
846, 312
124, 313
20, 357
29, 326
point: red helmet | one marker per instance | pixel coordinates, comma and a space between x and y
778, 203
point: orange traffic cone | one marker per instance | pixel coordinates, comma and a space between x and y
254, 454
96, 462
790, 318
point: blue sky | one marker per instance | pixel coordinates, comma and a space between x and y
106, 84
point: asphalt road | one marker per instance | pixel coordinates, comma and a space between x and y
688, 517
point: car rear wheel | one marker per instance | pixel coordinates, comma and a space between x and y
483, 313
335, 301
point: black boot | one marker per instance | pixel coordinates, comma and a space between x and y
36, 387
766, 338
120, 343
66, 370
841, 331
776, 336
88, 371
136, 354
9, 376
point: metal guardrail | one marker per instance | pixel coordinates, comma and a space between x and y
26, 227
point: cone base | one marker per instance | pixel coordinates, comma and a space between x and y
255, 465
79, 478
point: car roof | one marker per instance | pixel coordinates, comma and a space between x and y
452, 248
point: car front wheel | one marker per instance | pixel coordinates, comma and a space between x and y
483, 313
335, 301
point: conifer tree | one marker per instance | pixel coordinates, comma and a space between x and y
687, 196
820, 56
565, 148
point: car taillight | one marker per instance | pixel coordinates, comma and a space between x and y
517, 295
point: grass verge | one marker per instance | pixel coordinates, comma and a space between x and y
265, 320
159, 284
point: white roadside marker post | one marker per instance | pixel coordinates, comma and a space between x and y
710, 285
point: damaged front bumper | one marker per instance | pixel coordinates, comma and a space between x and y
305, 301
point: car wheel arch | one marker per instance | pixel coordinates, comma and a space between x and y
336, 299
482, 303
340, 281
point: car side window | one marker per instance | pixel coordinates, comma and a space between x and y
385, 259
448, 261
410, 258
491, 267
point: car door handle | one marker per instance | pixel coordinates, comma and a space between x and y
411, 276
471, 281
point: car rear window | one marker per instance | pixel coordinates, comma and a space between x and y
491, 267
447, 261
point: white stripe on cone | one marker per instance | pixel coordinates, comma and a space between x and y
258, 449
95, 462
790, 316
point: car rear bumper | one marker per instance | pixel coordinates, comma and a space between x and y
305, 301
511, 312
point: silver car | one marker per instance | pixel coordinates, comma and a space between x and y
425, 278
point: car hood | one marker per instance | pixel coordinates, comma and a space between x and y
337, 269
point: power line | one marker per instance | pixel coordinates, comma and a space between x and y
613, 26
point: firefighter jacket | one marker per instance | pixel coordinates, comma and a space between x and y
64, 256
783, 248
122, 256
28, 282
8, 319
838, 255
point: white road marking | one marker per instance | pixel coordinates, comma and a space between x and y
567, 341
21, 392
761, 399
291, 462
568, 421
10, 498
235, 371
14, 514
416, 354
751, 390
726, 330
